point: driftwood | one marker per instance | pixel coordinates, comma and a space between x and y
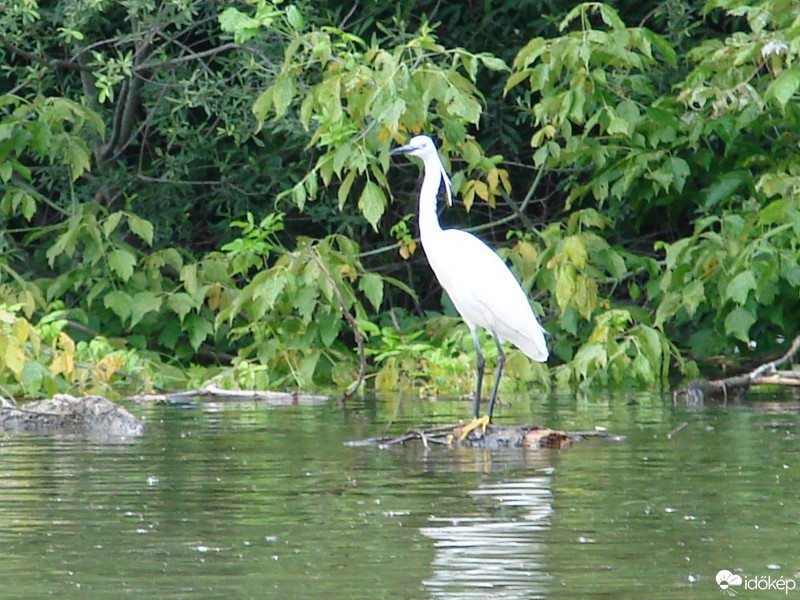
732, 388
63, 414
496, 436
218, 394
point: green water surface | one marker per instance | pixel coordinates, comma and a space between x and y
244, 500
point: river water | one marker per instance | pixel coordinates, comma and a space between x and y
246, 500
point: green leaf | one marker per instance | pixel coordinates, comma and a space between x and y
242, 26
329, 326
667, 308
110, 224
462, 104
169, 334
617, 125
77, 156
269, 288
738, 323
585, 298
515, 79
143, 303
6, 170
589, 358
681, 171
344, 188
282, 94
529, 53
198, 329
784, 86
305, 372
263, 104
565, 285
32, 376
650, 342
189, 278
305, 301
372, 203
693, 294
122, 262
141, 227
294, 17
492, 62
119, 303
575, 249
725, 186
372, 286
676, 251
181, 304
740, 286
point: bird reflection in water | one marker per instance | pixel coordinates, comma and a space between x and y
498, 555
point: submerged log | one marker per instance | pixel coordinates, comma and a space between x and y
65, 414
495, 437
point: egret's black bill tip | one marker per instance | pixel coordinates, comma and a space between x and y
401, 150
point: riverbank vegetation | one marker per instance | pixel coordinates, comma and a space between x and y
196, 192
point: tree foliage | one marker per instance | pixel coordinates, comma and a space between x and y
636, 168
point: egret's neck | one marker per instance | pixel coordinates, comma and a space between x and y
428, 199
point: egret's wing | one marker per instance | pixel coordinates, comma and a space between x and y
486, 293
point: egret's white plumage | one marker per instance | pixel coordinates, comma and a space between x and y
481, 286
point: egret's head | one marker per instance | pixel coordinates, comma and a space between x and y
423, 146
419, 145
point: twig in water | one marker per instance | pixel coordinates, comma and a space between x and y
674, 431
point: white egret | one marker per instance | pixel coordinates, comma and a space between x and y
478, 281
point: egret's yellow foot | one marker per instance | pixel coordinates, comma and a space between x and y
482, 422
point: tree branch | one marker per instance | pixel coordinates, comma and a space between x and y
349, 392
697, 391
54, 64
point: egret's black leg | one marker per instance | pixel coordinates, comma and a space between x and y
480, 365
501, 359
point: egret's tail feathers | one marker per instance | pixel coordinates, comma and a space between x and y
533, 345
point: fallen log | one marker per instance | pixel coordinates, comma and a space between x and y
496, 436
730, 389
215, 393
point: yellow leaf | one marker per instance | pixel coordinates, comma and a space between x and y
348, 271
468, 196
526, 250
504, 180
492, 178
213, 296
108, 365
388, 377
406, 250
565, 285
28, 303
599, 334
575, 249
14, 357
63, 362
21, 330
482, 190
